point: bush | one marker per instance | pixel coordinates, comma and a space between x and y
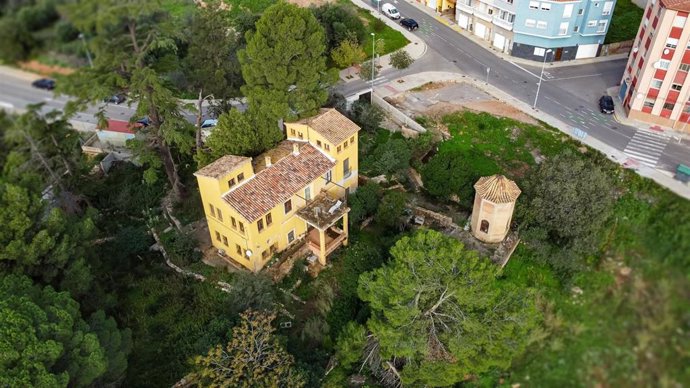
365, 71
401, 59
38, 16
391, 209
366, 115
378, 25
390, 158
16, 43
364, 202
65, 31
339, 23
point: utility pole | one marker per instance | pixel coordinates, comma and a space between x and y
86, 47
373, 62
488, 70
541, 77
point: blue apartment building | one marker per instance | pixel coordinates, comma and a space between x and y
536, 29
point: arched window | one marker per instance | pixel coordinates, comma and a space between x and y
484, 227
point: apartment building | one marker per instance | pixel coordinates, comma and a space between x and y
294, 192
539, 30
655, 87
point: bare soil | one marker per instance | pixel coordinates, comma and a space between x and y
43, 69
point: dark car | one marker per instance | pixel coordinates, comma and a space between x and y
144, 122
44, 83
410, 24
115, 99
606, 104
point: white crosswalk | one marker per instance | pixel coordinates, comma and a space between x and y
646, 146
380, 80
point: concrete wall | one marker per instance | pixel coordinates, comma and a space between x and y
396, 115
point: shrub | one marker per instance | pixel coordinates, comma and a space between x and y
364, 202
16, 43
401, 59
391, 158
38, 16
366, 115
65, 31
365, 71
391, 209
339, 23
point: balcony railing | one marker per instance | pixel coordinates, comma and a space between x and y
483, 15
334, 238
503, 23
465, 8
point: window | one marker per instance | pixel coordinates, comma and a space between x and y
533, 5
233, 221
580, 11
231, 182
509, 1
260, 224
608, 7
318, 143
307, 194
656, 83
220, 215
530, 22
240, 177
225, 241
679, 21
596, 5
287, 206
300, 135
217, 236
352, 139
546, 6
592, 23
274, 248
340, 148
649, 103
676, 87
291, 236
563, 29
327, 146
238, 249
664, 64
345, 145
484, 227
671, 43
602, 26
669, 105
269, 219
491, 11
241, 226
346, 168
328, 176
264, 255
292, 131
576, 28
541, 25
213, 210
684, 67
539, 51
568, 10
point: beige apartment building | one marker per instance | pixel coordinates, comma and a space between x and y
655, 87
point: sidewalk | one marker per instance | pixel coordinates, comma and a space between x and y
507, 57
621, 116
664, 178
416, 48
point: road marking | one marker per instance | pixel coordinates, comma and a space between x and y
6, 105
647, 147
523, 69
574, 77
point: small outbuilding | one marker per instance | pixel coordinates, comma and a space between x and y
494, 203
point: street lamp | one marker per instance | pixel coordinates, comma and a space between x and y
373, 56
541, 77
88, 54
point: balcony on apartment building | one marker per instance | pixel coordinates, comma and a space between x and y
484, 13
321, 215
502, 23
465, 6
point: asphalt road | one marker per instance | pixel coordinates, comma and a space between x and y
570, 93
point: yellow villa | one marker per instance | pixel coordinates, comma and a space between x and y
258, 207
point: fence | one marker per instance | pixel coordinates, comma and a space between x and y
616, 48
396, 115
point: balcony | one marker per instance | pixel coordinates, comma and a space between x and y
466, 8
321, 215
484, 15
334, 238
503, 23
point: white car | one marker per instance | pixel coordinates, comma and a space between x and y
209, 123
389, 10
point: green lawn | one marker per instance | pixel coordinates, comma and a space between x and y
394, 40
624, 22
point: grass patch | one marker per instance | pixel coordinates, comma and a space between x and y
624, 22
394, 40
178, 8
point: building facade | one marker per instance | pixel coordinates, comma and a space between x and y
494, 203
258, 207
655, 87
539, 30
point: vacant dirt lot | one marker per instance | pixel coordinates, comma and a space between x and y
439, 99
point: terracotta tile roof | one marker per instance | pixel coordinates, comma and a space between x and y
678, 5
221, 166
119, 126
332, 125
277, 183
497, 189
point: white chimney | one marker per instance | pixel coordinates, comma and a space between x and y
295, 149
268, 161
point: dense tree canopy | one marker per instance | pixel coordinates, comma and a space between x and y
340, 24
45, 342
284, 63
439, 313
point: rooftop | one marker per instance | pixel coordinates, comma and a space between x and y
119, 126
276, 184
323, 211
497, 189
332, 125
221, 166
677, 5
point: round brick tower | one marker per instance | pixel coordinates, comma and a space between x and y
494, 203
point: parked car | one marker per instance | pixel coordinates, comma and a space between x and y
209, 123
606, 104
410, 24
389, 10
44, 83
115, 99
